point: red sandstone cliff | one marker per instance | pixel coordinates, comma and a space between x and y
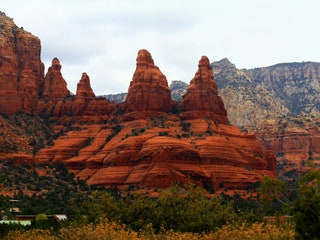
294, 141
21, 69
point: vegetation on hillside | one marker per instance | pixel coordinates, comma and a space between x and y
179, 212
23, 132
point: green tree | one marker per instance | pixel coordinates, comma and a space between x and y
139, 211
189, 209
274, 195
307, 206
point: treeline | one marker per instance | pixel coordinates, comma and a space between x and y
180, 208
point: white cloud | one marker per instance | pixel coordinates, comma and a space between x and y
102, 37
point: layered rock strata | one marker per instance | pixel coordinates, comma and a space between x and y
294, 141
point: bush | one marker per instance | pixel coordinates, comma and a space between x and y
307, 206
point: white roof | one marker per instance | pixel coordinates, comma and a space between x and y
60, 217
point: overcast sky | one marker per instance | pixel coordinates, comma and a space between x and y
103, 37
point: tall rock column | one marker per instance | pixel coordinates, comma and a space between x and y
84, 89
148, 90
201, 99
55, 87
83, 96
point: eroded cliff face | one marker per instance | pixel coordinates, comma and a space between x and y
295, 141
248, 103
251, 96
298, 84
21, 69
279, 103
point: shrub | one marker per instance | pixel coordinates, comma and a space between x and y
307, 206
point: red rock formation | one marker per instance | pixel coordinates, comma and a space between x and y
225, 158
201, 99
87, 104
147, 145
55, 87
149, 90
21, 69
83, 96
293, 140
84, 89
83, 107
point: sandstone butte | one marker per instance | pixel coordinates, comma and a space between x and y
149, 140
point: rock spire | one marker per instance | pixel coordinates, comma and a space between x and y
148, 90
84, 89
55, 87
201, 99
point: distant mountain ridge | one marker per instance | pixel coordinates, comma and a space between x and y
117, 97
280, 103
177, 88
297, 84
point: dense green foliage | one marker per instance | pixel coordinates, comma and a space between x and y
49, 192
307, 206
181, 208
38, 130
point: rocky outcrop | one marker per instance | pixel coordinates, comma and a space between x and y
24, 87
84, 106
117, 98
178, 89
251, 96
148, 91
248, 104
201, 99
55, 87
21, 69
297, 84
157, 152
294, 141
83, 95
279, 103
